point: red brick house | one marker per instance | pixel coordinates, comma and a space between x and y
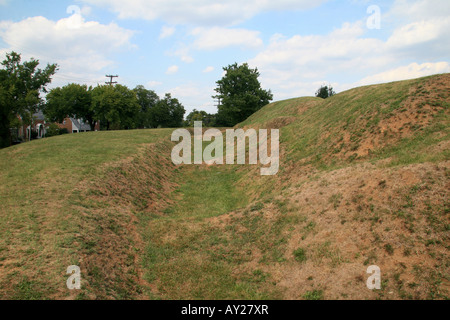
77, 125
40, 126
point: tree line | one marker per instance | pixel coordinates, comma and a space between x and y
117, 107
114, 107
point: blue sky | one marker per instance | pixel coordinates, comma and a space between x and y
181, 46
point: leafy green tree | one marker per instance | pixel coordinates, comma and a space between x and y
209, 120
240, 94
6, 115
168, 113
325, 92
115, 107
147, 100
55, 108
195, 115
73, 100
52, 130
20, 88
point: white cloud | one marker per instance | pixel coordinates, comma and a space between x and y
306, 50
421, 28
411, 71
81, 48
199, 12
182, 52
172, 70
187, 58
413, 10
419, 33
74, 9
166, 32
86, 10
218, 38
417, 45
194, 96
208, 69
153, 83
186, 91
313, 57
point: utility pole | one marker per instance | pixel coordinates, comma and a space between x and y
111, 79
218, 101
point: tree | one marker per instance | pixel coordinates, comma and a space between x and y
55, 108
325, 92
73, 100
147, 100
168, 113
6, 115
240, 94
20, 88
115, 107
209, 120
53, 130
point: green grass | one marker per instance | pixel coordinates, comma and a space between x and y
197, 261
300, 255
285, 108
113, 203
40, 204
208, 192
313, 295
358, 112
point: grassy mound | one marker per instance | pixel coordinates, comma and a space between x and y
363, 180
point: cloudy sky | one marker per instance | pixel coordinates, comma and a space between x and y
181, 46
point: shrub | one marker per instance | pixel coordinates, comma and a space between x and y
325, 92
52, 130
300, 255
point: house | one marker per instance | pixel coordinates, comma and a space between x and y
23, 132
40, 127
77, 125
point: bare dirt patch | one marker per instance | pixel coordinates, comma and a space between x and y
348, 219
415, 113
110, 242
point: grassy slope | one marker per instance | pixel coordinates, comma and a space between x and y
363, 180
372, 122
45, 206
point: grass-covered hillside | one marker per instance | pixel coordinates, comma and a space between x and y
363, 181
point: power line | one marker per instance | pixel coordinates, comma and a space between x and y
111, 79
73, 78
